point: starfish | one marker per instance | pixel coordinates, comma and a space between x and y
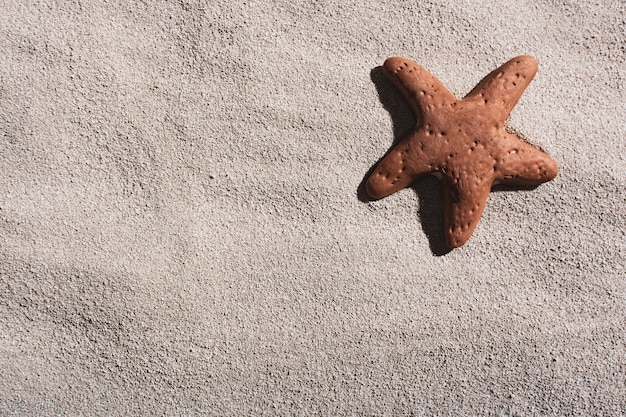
462, 141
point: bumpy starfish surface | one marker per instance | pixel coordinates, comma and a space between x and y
462, 141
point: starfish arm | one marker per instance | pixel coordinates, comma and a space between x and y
422, 90
503, 87
523, 164
462, 209
399, 168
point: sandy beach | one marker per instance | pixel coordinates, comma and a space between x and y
183, 229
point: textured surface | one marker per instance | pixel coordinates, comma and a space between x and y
181, 233
462, 141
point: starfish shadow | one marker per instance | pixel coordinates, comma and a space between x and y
428, 188
508, 187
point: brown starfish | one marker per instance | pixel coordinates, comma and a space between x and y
461, 141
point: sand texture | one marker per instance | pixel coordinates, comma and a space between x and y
183, 230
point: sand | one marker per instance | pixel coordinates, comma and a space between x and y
182, 232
